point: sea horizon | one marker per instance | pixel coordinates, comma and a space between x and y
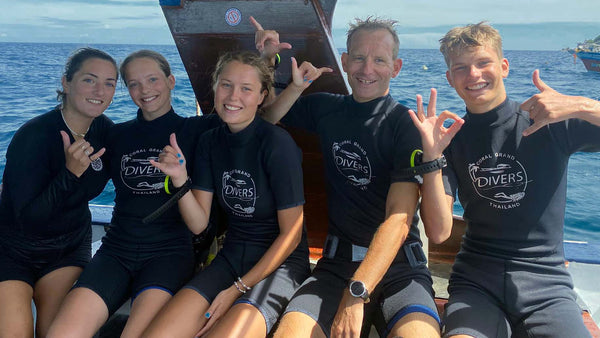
30, 76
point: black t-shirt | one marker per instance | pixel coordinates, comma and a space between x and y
363, 145
139, 186
41, 198
254, 173
513, 188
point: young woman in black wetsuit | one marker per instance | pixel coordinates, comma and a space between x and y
53, 168
147, 262
254, 168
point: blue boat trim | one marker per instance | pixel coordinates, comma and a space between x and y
170, 2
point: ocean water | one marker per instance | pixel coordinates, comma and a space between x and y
30, 74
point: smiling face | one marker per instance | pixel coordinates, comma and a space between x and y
238, 93
149, 87
477, 74
370, 64
91, 88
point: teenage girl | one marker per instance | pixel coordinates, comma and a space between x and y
254, 168
53, 168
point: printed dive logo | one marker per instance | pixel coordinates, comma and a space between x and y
352, 162
239, 192
139, 175
499, 178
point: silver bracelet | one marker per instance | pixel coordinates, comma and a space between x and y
244, 285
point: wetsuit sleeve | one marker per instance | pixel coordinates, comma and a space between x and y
36, 193
406, 140
202, 175
449, 175
284, 165
580, 136
305, 113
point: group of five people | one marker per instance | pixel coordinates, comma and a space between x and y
509, 278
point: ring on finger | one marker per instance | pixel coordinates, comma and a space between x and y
86, 152
82, 147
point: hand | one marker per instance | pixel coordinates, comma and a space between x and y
267, 41
172, 162
549, 106
434, 136
349, 317
78, 155
219, 307
303, 76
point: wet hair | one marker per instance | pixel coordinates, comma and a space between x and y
458, 39
374, 24
163, 64
76, 60
265, 72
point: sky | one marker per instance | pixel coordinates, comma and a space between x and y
524, 24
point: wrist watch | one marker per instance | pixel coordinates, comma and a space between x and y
357, 289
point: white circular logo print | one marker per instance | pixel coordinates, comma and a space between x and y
352, 162
233, 16
138, 174
499, 178
239, 191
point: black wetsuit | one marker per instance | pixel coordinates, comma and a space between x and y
363, 146
254, 173
158, 254
44, 215
513, 191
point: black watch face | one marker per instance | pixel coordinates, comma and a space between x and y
357, 289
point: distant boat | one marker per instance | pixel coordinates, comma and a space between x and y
589, 53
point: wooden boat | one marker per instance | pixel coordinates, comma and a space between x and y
203, 29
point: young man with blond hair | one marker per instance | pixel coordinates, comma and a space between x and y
509, 166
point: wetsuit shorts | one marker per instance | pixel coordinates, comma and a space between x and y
402, 290
29, 260
118, 277
493, 297
270, 296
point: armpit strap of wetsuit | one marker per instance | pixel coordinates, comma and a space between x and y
176, 196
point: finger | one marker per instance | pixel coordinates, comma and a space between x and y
533, 128
173, 141
420, 109
285, 45
256, 25
88, 151
528, 104
537, 81
161, 166
326, 70
209, 324
98, 154
414, 118
432, 103
66, 140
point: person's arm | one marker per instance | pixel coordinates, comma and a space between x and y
401, 204
43, 196
550, 106
194, 205
290, 233
436, 205
268, 44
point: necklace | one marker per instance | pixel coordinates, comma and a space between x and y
71, 130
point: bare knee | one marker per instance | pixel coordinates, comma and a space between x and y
416, 324
16, 318
297, 324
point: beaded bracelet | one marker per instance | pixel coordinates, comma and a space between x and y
237, 287
244, 285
